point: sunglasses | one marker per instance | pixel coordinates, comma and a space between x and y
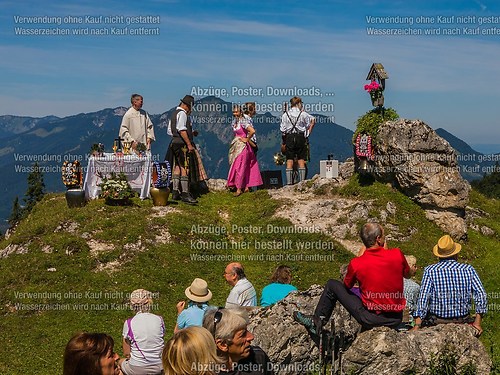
217, 319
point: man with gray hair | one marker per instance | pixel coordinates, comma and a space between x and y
243, 292
229, 329
136, 126
379, 272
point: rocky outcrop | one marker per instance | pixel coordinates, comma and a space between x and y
424, 166
378, 351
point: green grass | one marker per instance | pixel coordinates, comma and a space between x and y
79, 296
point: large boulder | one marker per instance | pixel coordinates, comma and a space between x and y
385, 351
378, 351
424, 166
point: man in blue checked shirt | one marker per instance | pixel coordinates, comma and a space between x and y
448, 288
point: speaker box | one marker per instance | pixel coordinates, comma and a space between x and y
271, 179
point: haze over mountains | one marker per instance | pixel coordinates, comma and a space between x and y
51, 140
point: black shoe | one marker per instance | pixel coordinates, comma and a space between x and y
176, 195
307, 321
188, 198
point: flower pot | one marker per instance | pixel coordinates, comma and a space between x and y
160, 196
75, 198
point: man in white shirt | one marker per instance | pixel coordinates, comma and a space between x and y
296, 125
243, 292
136, 126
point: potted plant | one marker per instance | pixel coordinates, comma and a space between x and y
116, 190
72, 179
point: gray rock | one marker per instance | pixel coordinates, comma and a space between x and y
13, 249
385, 351
217, 184
346, 169
377, 351
424, 166
487, 231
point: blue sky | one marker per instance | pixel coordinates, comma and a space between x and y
449, 81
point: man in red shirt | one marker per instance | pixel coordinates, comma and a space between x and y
379, 272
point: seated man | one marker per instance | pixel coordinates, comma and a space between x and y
379, 272
411, 288
448, 288
229, 329
243, 292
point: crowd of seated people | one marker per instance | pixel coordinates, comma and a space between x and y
375, 288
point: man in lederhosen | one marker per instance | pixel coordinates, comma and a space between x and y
296, 126
180, 128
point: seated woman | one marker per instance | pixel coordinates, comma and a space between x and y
244, 172
191, 351
142, 337
91, 353
279, 287
198, 295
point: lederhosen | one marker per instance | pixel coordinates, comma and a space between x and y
432, 320
296, 142
177, 150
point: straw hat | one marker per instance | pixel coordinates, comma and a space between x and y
446, 247
198, 291
140, 297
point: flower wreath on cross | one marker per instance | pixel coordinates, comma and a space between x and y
364, 146
375, 90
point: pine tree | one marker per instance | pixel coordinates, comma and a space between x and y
16, 214
35, 191
489, 185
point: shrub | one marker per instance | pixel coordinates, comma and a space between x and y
371, 121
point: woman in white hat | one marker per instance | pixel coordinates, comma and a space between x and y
142, 337
198, 295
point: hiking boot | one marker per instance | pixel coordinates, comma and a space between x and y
176, 195
188, 198
307, 321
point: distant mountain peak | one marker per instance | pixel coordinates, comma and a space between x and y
459, 145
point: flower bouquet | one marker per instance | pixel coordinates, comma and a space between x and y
376, 92
115, 189
72, 174
140, 149
97, 149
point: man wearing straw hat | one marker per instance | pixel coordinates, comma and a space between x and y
448, 288
198, 295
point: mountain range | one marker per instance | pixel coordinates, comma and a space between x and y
52, 140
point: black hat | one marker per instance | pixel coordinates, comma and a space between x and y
188, 100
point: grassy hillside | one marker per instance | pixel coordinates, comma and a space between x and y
81, 263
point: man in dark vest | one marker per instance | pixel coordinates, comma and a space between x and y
181, 131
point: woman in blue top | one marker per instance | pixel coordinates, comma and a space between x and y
198, 295
279, 288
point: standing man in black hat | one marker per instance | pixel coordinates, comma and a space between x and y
181, 131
